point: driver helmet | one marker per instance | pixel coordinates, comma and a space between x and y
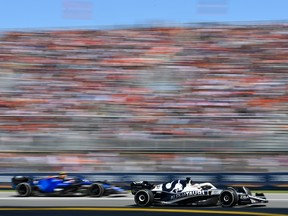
189, 181
62, 175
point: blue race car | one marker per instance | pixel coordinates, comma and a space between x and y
54, 186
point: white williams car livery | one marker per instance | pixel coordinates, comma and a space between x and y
185, 192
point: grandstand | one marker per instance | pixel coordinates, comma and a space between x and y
199, 88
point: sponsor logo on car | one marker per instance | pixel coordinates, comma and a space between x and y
188, 194
244, 197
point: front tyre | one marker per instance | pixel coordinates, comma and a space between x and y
96, 190
24, 189
228, 198
144, 198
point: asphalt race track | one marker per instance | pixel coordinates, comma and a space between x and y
10, 199
10, 203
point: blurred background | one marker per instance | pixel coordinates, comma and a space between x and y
194, 86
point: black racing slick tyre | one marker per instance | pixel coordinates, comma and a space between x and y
144, 198
228, 198
96, 190
24, 189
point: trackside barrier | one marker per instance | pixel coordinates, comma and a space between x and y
262, 181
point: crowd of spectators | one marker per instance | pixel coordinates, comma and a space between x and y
189, 82
157, 79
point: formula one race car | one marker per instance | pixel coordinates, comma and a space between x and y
185, 192
54, 186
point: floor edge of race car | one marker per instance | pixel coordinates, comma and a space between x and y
130, 211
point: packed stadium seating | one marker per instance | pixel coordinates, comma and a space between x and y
189, 87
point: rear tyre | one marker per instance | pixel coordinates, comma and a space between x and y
144, 198
24, 189
96, 190
228, 198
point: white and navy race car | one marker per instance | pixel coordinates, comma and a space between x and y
185, 192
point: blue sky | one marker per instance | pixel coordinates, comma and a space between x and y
16, 14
